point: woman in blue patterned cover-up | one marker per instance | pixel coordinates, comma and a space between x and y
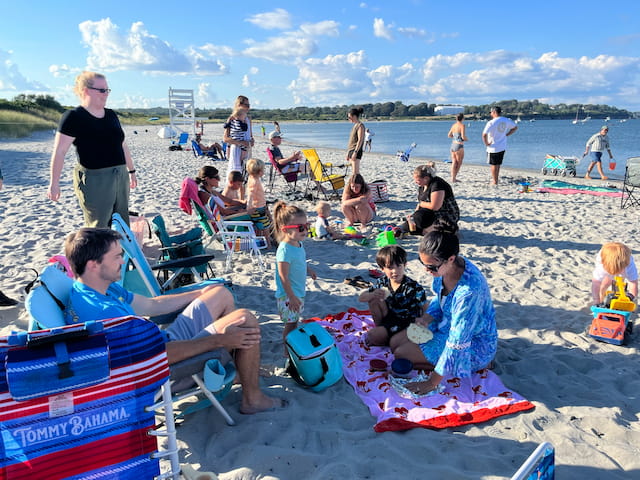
462, 318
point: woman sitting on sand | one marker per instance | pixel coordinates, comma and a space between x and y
436, 203
461, 316
208, 180
357, 203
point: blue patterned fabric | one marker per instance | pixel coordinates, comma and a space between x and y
465, 336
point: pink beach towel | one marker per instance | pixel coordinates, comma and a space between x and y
463, 400
570, 191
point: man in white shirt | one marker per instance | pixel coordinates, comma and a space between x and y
494, 136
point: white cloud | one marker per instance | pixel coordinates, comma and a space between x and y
245, 81
381, 30
391, 82
137, 49
412, 32
64, 70
12, 80
283, 48
278, 19
204, 94
329, 80
326, 28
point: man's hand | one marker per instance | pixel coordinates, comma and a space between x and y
238, 337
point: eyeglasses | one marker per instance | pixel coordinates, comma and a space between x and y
432, 268
101, 90
302, 227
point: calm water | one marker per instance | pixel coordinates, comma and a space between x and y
526, 149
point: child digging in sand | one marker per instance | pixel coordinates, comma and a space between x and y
613, 259
290, 228
396, 300
256, 200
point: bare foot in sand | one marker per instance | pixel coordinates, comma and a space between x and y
264, 404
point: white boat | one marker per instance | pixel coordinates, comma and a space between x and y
585, 119
518, 120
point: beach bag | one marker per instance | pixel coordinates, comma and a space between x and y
314, 358
379, 191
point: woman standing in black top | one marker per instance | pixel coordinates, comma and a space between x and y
104, 172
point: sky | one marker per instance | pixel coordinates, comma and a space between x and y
325, 53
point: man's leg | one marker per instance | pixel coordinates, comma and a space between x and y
495, 173
247, 358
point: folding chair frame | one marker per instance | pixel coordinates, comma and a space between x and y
631, 184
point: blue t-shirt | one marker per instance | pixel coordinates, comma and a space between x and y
297, 260
87, 304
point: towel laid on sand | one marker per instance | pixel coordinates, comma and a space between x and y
462, 401
565, 188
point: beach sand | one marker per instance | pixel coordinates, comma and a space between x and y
536, 250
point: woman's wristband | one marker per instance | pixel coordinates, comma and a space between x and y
132, 171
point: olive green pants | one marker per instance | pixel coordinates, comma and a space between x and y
102, 192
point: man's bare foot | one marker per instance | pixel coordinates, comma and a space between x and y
265, 404
587, 176
604, 178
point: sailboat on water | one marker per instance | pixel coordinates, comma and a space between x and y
584, 120
575, 122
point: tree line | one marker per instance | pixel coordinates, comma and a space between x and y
47, 107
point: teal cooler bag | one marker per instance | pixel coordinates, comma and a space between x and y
315, 360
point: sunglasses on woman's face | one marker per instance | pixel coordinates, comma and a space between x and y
302, 227
432, 268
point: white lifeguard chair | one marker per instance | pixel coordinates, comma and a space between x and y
182, 111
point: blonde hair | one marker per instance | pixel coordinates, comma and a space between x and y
237, 111
320, 207
84, 80
240, 100
615, 257
284, 214
255, 166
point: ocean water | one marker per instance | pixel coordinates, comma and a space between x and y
526, 149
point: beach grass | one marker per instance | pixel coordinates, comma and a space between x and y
19, 125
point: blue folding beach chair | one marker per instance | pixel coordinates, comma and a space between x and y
539, 466
404, 156
137, 275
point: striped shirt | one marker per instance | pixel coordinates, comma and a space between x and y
598, 143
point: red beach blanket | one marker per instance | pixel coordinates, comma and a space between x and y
463, 400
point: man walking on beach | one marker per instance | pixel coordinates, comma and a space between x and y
598, 143
209, 321
494, 136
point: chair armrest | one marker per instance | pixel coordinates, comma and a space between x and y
183, 262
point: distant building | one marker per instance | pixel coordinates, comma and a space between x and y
448, 109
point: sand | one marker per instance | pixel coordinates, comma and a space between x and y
535, 249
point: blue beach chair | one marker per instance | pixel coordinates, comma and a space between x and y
539, 466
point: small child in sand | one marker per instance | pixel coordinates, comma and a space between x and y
396, 300
235, 186
291, 228
613, 259
256, 200
322, 226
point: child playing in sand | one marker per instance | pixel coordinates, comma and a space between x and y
322, 227
396, 300
235, 186
256, 200
613, 259
291, 228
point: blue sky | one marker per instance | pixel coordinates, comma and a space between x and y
330, 52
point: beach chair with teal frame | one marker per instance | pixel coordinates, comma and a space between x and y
539, 466
137, 275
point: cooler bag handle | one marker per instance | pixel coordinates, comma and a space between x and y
293, 371
51, 362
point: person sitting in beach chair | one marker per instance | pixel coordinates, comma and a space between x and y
214, 150
288, 164
209, 320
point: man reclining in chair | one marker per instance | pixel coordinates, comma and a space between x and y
289, 164
209, 320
